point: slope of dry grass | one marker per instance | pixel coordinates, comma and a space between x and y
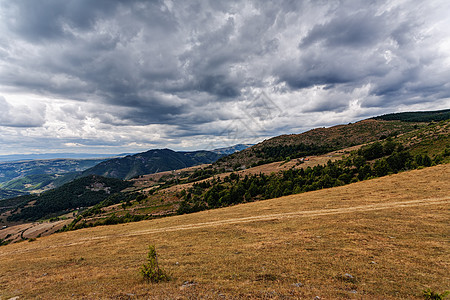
337, 137
391, 234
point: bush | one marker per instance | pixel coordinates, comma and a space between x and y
428, 294
151, 270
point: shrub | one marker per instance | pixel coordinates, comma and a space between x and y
151, 270
428, 294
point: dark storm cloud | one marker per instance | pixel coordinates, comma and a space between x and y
41, 20
360, 29
193, 65
352, 49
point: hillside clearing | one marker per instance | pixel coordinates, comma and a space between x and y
391, 234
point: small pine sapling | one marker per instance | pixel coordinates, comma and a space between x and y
151, 270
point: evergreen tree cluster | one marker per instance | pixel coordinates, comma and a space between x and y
426, 116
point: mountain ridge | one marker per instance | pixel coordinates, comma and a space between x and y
417, 116
151, 161
315, 141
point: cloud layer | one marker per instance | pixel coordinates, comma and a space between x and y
131, 75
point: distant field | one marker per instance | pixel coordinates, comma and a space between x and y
391, 234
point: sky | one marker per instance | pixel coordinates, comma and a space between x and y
115, 76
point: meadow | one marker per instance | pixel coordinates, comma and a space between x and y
386, 238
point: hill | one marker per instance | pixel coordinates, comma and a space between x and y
38, 175
82, 192
8, 193
418, 116
32, 176
38, 182
17, 169
152, 161
354, 241
315, 141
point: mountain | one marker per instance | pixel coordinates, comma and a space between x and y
24, 177
418, 116
315, 141
232, 149
152, 161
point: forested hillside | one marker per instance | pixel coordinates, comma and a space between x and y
419, 116
314, 142
423, 147
6, 193
151, 162
22, 177
394, 147
17, 169
83, 192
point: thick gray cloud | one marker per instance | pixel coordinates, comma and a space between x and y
182, 73
20, 116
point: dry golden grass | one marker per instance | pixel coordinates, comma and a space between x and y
391, 234
31, 230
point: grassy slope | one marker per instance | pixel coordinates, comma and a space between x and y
431, 139
258, 256
336, 137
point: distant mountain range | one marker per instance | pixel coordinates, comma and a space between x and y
152, 161
25, 176
158, 160
40, 175
46, 156
232, 149
20, 169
